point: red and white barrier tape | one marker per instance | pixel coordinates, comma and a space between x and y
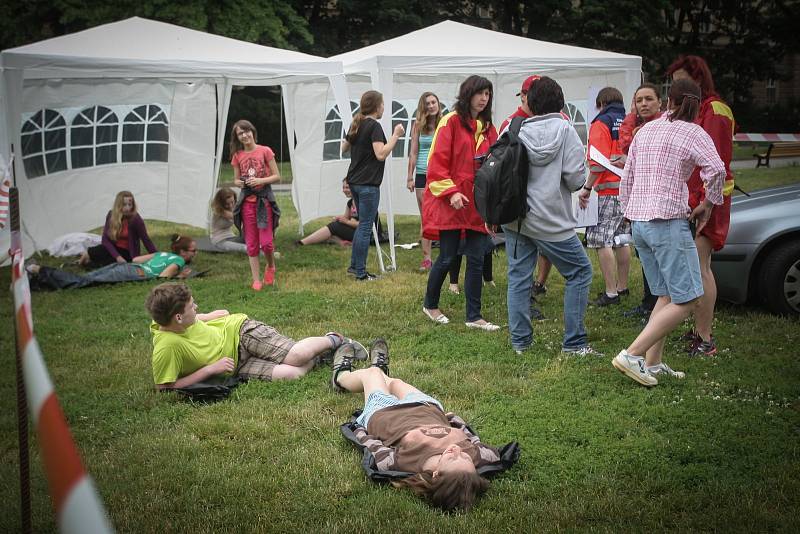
767, 137
78, 507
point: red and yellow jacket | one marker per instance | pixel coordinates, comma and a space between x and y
716, 118
451, 169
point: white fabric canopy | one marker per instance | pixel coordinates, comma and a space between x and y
109, 91
438, 58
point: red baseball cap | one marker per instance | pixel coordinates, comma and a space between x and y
527, 83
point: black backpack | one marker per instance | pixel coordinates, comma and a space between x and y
501, 183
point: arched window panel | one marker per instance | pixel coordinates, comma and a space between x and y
43, 143
145, 135
93, 137
334, 134
400, 116
577, 119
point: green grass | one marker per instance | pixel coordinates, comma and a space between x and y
226, 173
754, 179
745, 150
718, 451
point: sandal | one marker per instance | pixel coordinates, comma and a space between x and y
487, 326
441, 318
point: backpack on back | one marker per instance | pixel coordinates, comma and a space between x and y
501, 183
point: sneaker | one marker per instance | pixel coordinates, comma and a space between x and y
703, 348
623, 292
583, 351
633, 367
360, 353
425, 265
690, 336
604, 300
664, 369
539, 289
256, 285
368, 277
269, 276
379, 355
342, 361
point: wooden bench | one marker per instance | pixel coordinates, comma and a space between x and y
778, 150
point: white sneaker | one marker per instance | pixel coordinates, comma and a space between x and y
633, 366
664, 369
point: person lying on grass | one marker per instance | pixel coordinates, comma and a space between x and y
190, 347
156, 265
410, 437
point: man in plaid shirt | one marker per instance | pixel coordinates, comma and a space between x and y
655, 197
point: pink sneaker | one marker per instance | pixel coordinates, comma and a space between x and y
425, 265
256, 285
269, 276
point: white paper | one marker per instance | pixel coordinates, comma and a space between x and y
586, 217
598, 157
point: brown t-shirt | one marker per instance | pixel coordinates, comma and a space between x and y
417, 432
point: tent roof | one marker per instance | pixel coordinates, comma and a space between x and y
138, 47
451, 46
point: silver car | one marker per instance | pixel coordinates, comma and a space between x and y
761, 257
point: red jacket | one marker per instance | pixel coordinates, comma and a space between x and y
451, 169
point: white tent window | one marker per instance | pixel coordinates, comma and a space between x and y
93, 137
400, 116
577, 119
332, 146
44, 143
145, 134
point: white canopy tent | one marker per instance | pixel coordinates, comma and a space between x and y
438, 58
133, 105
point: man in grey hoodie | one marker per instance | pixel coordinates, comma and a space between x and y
556, 169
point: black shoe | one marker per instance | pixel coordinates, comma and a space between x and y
539, 289
379, 355
342, 361
369, 277
605, 300
623, 292
434, 244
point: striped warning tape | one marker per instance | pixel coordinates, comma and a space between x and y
78, 507
767, 137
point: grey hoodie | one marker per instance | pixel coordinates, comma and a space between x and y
556, 169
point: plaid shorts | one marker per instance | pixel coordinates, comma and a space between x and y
261, 348
610, 222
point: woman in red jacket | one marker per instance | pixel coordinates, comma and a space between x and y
448, 207
716, 118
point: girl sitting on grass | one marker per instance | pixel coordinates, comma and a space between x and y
222, 237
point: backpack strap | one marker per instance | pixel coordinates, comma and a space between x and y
513, 132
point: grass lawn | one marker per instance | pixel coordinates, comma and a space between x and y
746, 149
718, 451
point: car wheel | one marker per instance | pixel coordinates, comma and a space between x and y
780, 279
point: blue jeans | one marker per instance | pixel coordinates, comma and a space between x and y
366, 198
474, 250
571, 260
110, 274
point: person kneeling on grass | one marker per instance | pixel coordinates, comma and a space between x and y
409, 439
190, 347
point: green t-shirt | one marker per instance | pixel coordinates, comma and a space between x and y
203, 343
160, 261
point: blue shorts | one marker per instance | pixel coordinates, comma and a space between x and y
378, 400
669, 258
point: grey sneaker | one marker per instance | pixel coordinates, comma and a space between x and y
379, 355
583, 351
327, 356
664, 369
633, 367
342, 361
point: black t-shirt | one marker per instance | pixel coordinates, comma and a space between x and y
365, 168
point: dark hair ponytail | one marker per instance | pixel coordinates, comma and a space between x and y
179, 243
684, 95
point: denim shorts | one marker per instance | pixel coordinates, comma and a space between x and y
378, 400
669, 258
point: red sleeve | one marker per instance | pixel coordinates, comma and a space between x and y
440, 182
720, 129
626, 132
600, 138
269, 155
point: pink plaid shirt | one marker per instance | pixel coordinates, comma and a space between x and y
660, 160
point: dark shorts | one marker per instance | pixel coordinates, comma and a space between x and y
99, 256
420, 180
261, 348
341, 230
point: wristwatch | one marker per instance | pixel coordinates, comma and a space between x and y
587, 188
